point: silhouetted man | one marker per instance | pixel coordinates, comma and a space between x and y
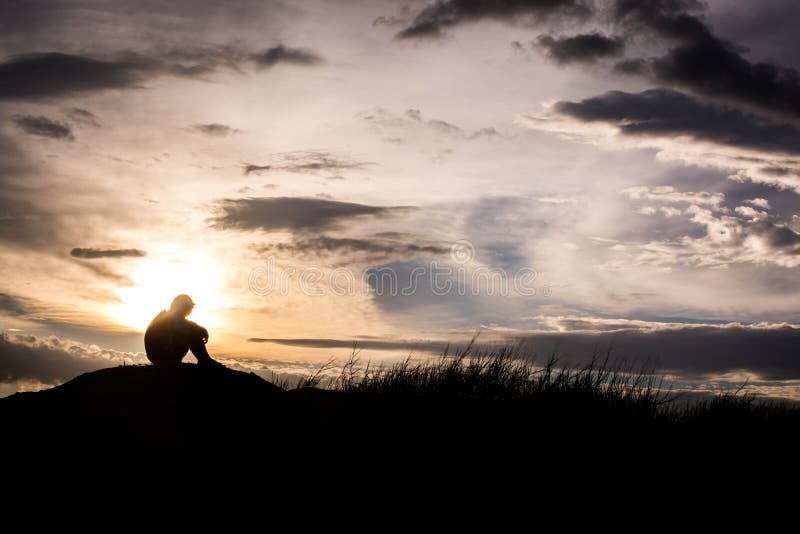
170, 336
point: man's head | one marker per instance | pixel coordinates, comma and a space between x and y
182, 305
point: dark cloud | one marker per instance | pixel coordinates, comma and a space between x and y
389, 21
202, 59
307, 162
584, 48
32, 76
776, 236
283, 54
251, 168
42, 126
688, 351
443, 14
95, 253
215, 130
776, 171
11, 305
704, 63
662, 112
768, 28
84, 117
376, 248
52, 74
636, 66
293, 213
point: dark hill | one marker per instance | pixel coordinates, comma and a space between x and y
145, 416
134, 390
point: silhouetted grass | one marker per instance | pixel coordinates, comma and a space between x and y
602, 387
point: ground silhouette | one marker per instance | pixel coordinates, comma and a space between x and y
451, 420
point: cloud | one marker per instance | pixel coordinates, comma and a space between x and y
215, 129
556, 200
95, 253
91, 24
53, 74
759, 202
378, 248
669, 195
372, 344
84, 117
414, 121
293, 213
11, 305
664, 112
41, 75
749, 213
685, 350
685, 128
42, 126
389, 21
705, 64
52, 360
584, 48
307, 162
24, 220
251, 168
283, 54
431, 21
746, 237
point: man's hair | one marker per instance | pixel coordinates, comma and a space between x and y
181, 301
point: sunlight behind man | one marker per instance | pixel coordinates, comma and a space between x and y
157, 282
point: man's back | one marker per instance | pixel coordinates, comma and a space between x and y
159, 337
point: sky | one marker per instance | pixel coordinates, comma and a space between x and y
570, 176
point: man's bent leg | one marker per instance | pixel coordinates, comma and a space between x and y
198, 348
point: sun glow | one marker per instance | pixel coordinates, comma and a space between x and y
157, 282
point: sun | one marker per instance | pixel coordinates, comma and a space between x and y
155, 284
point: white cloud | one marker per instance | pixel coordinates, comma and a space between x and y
750, 213
669, 195
759, 203
745, 164
33, 362
749, 238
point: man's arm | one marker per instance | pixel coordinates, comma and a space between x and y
193, 328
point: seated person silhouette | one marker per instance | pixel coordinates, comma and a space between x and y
170, 336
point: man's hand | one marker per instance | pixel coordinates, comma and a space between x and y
205, 335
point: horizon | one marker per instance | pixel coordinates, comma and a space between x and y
572, 176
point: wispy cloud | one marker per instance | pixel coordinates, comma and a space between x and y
215, 129
583, 48
96, 253
433, 20
284, 54
43, 127
307, 162
294, 213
